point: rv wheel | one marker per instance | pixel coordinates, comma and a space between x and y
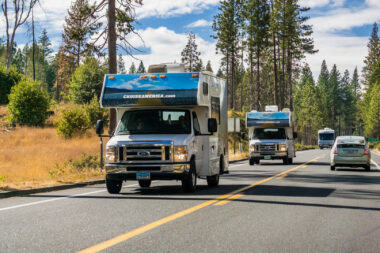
189, 182
332, 167
145, 183
251, 161
290, 160
285, 161
213, 180
113, 186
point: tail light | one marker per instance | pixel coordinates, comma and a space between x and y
335, 151
366, 152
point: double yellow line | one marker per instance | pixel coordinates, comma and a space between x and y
220, 200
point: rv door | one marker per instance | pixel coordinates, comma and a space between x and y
201, 145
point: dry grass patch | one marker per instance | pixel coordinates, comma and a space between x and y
35, 157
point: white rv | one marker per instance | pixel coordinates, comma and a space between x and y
271, 135
171, 126
326, 138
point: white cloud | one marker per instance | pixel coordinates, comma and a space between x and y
314, 3
169, 8
321, 3
343, 19
199, 23
345, 52
166, 46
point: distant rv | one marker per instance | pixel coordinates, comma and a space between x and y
326, 138
271, 135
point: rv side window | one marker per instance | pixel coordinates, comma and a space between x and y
215, 108
197, 129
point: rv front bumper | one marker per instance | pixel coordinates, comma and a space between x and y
275, 155
157, 171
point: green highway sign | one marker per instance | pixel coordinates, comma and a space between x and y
373, 140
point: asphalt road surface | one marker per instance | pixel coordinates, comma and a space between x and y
271, 207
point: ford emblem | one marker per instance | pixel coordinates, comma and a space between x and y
143, 153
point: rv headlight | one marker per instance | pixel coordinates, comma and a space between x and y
111, 154
180, 153
282, 147
252, 148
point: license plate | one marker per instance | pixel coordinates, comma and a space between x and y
143, 175
267, 157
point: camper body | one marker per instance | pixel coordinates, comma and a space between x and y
326, 138
170, 126
271, 135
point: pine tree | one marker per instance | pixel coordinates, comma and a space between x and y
372, 127
257, 14
120, 65
208, 66
79, 27
132, 68
227, 25
190, 55
141, 68
219, 73
199, 67
325, 98
45, 44
65, 69
334, 95
373, 54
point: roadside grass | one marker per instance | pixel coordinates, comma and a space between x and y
37, 157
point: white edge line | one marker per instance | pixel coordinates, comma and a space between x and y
378, 167
60, 198
71, 196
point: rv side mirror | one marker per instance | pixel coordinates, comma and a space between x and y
212, 125
99, 127
295, 135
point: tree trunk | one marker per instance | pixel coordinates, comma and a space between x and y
251, 80
258, 91
112, 60
275, 71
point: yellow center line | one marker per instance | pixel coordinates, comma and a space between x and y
138, 231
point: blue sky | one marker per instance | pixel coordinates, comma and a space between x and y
341, 29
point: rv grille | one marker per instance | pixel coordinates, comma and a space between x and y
267, 148
145, 153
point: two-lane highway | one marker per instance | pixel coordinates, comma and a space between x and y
270, 207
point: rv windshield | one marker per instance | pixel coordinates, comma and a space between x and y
155, 122
269, 133
326, 136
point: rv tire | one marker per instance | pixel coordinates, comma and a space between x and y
145, 183
189, 182
251, 161
113, 186
213, 181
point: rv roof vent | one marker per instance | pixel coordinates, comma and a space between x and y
271, 108
286, 110
166, 68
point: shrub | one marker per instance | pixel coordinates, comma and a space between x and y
72, 123
28, 104
86, 82
7, 80
94, 112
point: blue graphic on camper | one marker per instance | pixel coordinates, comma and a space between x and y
268, 119
150, 89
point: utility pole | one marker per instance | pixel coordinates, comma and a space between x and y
112, 60
33, 49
